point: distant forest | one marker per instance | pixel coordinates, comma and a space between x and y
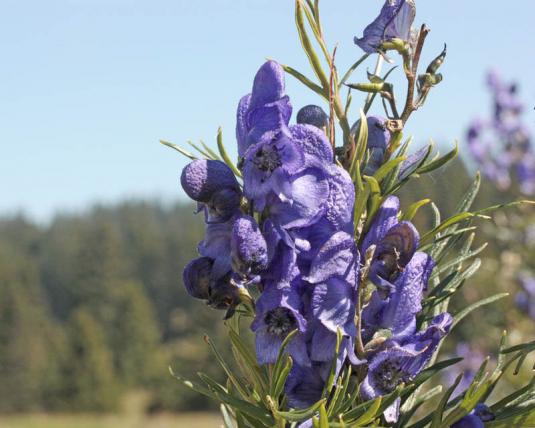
92, 305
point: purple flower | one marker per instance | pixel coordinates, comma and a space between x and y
314, 143
265, 110
282, 255
304, 385
401, 362
203, 282
201, 178
378, 141
394, 22
398, 311
308, 191
525, 298
313, 115
248, 247
395, 244
268, 166
196, 277
278, 312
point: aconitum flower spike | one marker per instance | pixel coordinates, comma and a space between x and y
313, 115
248, 248
394, 22
201, 178
378, 141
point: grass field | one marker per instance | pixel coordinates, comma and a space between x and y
186, 420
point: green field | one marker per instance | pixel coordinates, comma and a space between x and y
196, 420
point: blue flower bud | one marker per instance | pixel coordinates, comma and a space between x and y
201, 178
248, 247
313, 115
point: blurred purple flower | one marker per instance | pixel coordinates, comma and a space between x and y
394, 21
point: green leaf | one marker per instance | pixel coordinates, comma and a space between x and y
453, 220
324, 420
360, 145
435, 164
439, 411
470, 195
351, 69
178, 149
529, 388
308, 48
227, 419
461, 314
330, 379
201, 151
224, 154
523, 418
370, 414
383, 171
281, 378
413, 209
458, 260
250, 365
302, 414
237, 384
281, 362
304, 80
252, 410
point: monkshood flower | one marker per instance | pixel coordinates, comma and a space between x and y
476, 418
398, 311
401, 361
394, 244
213, 185
394, 22
525, 298
378, 141
265, 110
203, 282
278, 312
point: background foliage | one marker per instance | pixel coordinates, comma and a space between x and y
92, 305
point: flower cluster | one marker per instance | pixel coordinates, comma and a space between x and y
502, 144
297, 242
289, 230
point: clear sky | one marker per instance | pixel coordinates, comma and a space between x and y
87, 87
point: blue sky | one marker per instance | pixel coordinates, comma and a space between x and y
87, 87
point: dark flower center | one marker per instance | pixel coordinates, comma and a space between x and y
389, 260
280, 321
389, 375
267, 158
